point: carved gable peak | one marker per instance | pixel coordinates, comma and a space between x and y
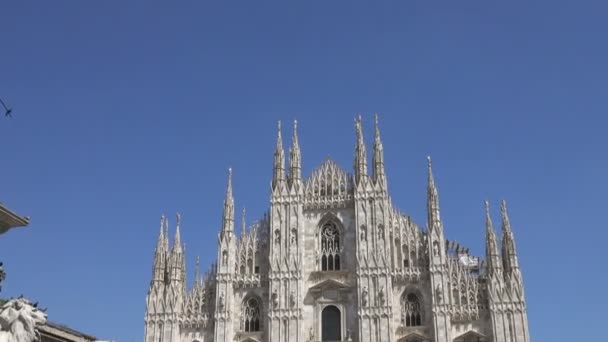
328, 186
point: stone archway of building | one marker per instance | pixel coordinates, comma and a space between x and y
331, 324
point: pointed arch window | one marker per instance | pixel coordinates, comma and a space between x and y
411, 312
250, 314
330, 247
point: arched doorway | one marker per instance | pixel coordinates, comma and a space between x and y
331, 324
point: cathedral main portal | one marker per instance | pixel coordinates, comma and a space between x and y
330, 321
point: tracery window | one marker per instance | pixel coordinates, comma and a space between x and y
250, 315
330, 247
411, 314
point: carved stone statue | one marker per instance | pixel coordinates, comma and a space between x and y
293, 237
222, 301
275, 299
292, 299
381, 296
364, 294
439, 294
18, 321
311, 335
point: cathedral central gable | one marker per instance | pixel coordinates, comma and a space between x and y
329, 186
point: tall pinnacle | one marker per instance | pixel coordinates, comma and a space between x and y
434, 217
295, 156
161, 236
492, 256
166, 236
278, 174
177, 241
197, 272
378, 158
243, 224
360, 154
160, 253
228, 217
509, 254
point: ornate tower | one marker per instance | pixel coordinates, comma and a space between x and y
224, 299
165, 296
176, 286
438, 263
372, 212
516, 327
285, 274
155, 303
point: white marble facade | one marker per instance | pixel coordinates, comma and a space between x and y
333, 260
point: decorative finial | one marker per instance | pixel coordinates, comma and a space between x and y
279, 138
428, 158
294, 141
505, 216
376, 129
179, 218
488, 218
167, 227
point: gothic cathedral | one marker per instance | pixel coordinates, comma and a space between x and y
333, 260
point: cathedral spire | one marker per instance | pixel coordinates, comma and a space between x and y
492, 256
160, 255
161, 235
177, 241
360, 154
295, 157
166, 235
509, 254
228, 217
278, 175
176, 258
378, 158
434, 217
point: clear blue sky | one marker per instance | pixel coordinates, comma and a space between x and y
124, 111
